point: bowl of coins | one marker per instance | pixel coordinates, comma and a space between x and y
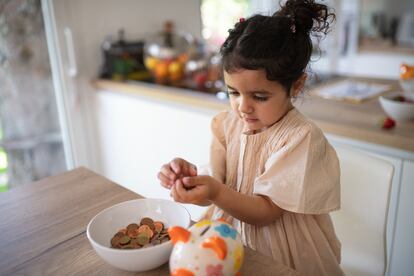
133, 235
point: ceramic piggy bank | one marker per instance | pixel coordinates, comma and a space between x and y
211, 248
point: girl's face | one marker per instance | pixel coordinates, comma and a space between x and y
259, 102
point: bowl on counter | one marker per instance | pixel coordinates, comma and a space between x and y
104, 225
398, 106
408, 87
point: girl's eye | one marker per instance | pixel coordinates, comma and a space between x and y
232, 93
260, 98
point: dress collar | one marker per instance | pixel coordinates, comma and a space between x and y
262, 130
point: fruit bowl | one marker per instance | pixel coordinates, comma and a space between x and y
103, 226
398, 106
166, 53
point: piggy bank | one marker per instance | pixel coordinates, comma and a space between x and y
206, 248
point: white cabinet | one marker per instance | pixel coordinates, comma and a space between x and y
136, 136
402, 259
400, 226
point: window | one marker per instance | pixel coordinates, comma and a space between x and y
218, 17
3, 166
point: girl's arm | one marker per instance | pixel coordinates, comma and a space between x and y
252, 209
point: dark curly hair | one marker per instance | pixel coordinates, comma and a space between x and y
279, 44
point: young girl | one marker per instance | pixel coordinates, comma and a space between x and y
274, 176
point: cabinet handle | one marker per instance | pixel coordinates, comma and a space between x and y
72, 66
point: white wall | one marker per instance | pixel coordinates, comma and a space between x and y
375, 64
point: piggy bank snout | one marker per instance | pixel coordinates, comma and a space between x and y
179, 234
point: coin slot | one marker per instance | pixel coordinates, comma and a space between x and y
205, 230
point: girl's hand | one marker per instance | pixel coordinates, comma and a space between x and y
200, 190
174, 170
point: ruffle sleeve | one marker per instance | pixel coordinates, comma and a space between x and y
218, 148
303, 176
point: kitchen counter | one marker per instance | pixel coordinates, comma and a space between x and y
43, 228
357, 121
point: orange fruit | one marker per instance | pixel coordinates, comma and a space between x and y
150, 63
175, 67
183, 58
406, 72
161, 70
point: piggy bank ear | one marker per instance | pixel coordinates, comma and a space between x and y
178, 233
218, 245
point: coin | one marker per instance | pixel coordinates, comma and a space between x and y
132, 226
165, 239
143, 239
128, 246
146, 229
159, 226
135, 244
155, 242
149, 222
146, 220
147, 233
155, 237
151, 226
115, 242
132, 233
124, 240
163, 235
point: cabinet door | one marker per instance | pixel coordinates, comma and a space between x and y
378, 152
402, 258
69, 77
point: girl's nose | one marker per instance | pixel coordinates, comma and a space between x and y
244, 105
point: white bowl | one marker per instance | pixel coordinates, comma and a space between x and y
407, 85
399, 111
104, 225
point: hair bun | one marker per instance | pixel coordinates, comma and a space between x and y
306, 15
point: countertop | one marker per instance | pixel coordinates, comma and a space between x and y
358, 121
43, 228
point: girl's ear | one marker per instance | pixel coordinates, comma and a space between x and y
298, 85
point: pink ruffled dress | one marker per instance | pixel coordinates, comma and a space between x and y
293, 164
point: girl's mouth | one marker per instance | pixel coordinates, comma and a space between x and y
250, 120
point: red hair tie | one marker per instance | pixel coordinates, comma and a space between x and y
242, 19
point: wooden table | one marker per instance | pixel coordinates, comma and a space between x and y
43, 228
